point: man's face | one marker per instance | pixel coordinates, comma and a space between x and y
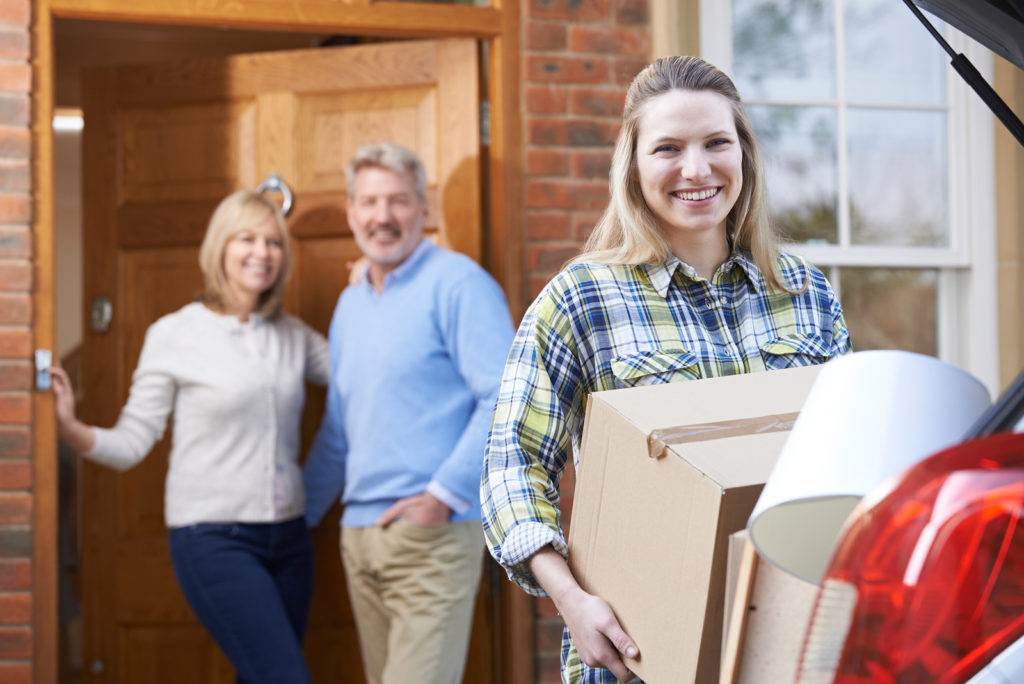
386, 216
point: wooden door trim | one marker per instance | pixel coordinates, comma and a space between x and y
367, 18
498, 25
44, 428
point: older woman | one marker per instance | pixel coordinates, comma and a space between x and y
681, 279
231, 369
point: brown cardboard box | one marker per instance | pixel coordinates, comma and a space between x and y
767, 611
666, 474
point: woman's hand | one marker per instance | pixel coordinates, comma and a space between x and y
77, 434
357, 270
63, 395
596, 633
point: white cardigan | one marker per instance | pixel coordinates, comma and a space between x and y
237, 407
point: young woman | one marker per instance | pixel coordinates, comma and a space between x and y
231, 369
681, 279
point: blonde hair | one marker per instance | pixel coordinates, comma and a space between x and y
391, 156
239, 211
628, 232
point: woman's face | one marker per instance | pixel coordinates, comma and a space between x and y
253, 258
689, 162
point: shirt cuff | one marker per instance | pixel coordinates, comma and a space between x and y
96, 437
524, 540
449, 499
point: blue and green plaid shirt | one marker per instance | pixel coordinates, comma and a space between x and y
598, 327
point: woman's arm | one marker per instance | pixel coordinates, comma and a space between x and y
318, 361
143, 418
538, 413
595, 631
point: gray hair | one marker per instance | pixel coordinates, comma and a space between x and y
391, 156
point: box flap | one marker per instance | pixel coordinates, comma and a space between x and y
737, 461
712, 400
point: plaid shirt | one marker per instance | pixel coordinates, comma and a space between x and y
598, 327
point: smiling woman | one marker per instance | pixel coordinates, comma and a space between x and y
245, 256
234, 501
252, 262
680, 280
689, 161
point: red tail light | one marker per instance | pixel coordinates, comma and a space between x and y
927, 583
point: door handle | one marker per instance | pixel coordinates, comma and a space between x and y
274, 183
44, 361
101, 313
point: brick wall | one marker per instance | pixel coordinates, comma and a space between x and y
578, 59
15, 345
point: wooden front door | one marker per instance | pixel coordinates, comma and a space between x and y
162, 145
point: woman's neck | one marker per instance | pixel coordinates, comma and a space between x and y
240, 307
705, 253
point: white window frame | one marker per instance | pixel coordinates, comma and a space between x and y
967, 332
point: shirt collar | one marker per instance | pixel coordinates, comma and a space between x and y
660, 275
229, 321
746, 262
405, 268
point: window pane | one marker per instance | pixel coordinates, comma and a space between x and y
799, 149
783, 49
889, 308
890, 56
899, 194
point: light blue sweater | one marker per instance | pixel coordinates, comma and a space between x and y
414, 378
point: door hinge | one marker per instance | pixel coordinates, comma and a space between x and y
485, 123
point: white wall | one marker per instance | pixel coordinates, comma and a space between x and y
68, 218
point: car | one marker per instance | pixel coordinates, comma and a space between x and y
927, 580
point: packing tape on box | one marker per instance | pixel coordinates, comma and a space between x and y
659, 441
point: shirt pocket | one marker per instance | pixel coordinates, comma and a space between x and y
655, 367
798, 349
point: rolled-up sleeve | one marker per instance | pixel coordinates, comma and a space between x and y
539, 408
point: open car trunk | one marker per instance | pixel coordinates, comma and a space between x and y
999, 26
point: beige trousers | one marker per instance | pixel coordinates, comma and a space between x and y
413, 590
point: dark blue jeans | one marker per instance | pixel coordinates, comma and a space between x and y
250, 585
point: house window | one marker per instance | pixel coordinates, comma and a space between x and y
879, 163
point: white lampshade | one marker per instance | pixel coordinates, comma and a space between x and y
869, 415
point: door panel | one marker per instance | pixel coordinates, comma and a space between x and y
202, 151
172, 655
162, 145
331, 127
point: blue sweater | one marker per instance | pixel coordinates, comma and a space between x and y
415, 371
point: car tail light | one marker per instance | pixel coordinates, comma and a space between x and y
927, 582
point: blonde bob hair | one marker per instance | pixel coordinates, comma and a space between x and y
628, 232
240, 211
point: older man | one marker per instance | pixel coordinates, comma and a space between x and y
417, 351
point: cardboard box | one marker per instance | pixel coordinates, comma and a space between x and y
666, 474
767, 611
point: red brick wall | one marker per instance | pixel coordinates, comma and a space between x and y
578, 58
15, 345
